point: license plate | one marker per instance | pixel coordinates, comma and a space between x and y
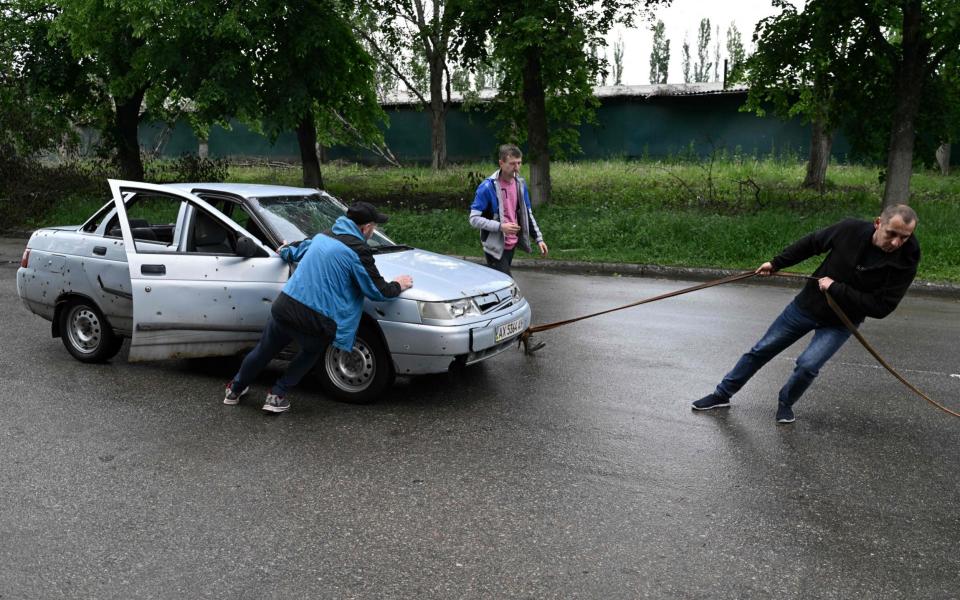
509, 329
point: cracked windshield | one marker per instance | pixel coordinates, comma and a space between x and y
299, 217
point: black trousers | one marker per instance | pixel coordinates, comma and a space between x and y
501, 264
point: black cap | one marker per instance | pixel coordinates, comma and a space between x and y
362, 213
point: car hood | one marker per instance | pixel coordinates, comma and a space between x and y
437, 277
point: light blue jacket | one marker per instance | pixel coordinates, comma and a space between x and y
331, 280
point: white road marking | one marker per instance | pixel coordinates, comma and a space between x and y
793, 359
941, 374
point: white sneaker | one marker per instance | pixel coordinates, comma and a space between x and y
276, 404
232, 398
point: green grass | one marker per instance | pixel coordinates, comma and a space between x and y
684, 238
735, 213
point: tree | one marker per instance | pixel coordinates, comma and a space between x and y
142, 59
926, 36
602, 72
862, 60
312, 76
386, 77
124, 58
701, 70
940, 116
41, 88
686, 60
795, 71
416, 39
735, 54
292, 67
486, 71
460, 81
660, 54
546, 70
618, 61
716, 55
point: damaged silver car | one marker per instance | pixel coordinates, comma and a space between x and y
191, 270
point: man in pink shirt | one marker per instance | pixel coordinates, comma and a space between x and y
501, 211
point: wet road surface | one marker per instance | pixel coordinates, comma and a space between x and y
579, 472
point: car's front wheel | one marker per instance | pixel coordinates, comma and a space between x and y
359, 376
86, 333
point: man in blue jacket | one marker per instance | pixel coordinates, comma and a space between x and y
321, 303
501, 211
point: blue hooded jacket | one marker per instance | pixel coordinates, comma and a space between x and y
332, 280
486, 214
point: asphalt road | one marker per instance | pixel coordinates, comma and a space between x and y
579, 472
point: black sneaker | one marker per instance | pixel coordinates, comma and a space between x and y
710, 401
785, 414
276, 404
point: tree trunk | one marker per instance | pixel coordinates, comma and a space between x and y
943, 158
307, 140
126, 121
821, 141
538, 138
438, 120
909, 79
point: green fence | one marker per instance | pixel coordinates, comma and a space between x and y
628, 127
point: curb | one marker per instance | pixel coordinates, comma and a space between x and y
926, 288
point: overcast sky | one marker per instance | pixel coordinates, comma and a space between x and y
683, 18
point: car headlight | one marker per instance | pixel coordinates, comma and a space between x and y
448, 310
515, 293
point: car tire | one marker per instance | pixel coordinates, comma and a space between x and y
86, 334
360, 376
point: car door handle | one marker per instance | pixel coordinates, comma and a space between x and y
153, 269
100, 250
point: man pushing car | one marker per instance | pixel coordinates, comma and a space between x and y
320, 304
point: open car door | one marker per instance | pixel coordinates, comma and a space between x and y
208, 293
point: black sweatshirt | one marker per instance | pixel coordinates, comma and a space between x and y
390, 289
868, 282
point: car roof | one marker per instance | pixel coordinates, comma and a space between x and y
246, 190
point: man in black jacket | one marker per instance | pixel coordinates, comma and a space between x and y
867, 271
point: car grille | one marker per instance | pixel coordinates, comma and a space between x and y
495, 301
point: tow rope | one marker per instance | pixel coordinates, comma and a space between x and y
530, 346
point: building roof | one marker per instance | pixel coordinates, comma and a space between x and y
405, 98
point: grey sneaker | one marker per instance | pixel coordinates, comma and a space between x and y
276, 404
785, 414
710, 401
232, 398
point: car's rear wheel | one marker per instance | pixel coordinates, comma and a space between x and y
86, 333
359, 376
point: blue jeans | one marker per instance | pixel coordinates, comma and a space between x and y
276, 337
790, 326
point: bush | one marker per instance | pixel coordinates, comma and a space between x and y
29, 190
187, 168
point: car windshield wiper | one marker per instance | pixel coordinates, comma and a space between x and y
389, 249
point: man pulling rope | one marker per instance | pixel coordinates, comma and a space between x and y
867, 271
876, 265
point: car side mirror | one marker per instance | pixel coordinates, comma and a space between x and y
247, 249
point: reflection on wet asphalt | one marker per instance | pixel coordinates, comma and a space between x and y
579, 472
